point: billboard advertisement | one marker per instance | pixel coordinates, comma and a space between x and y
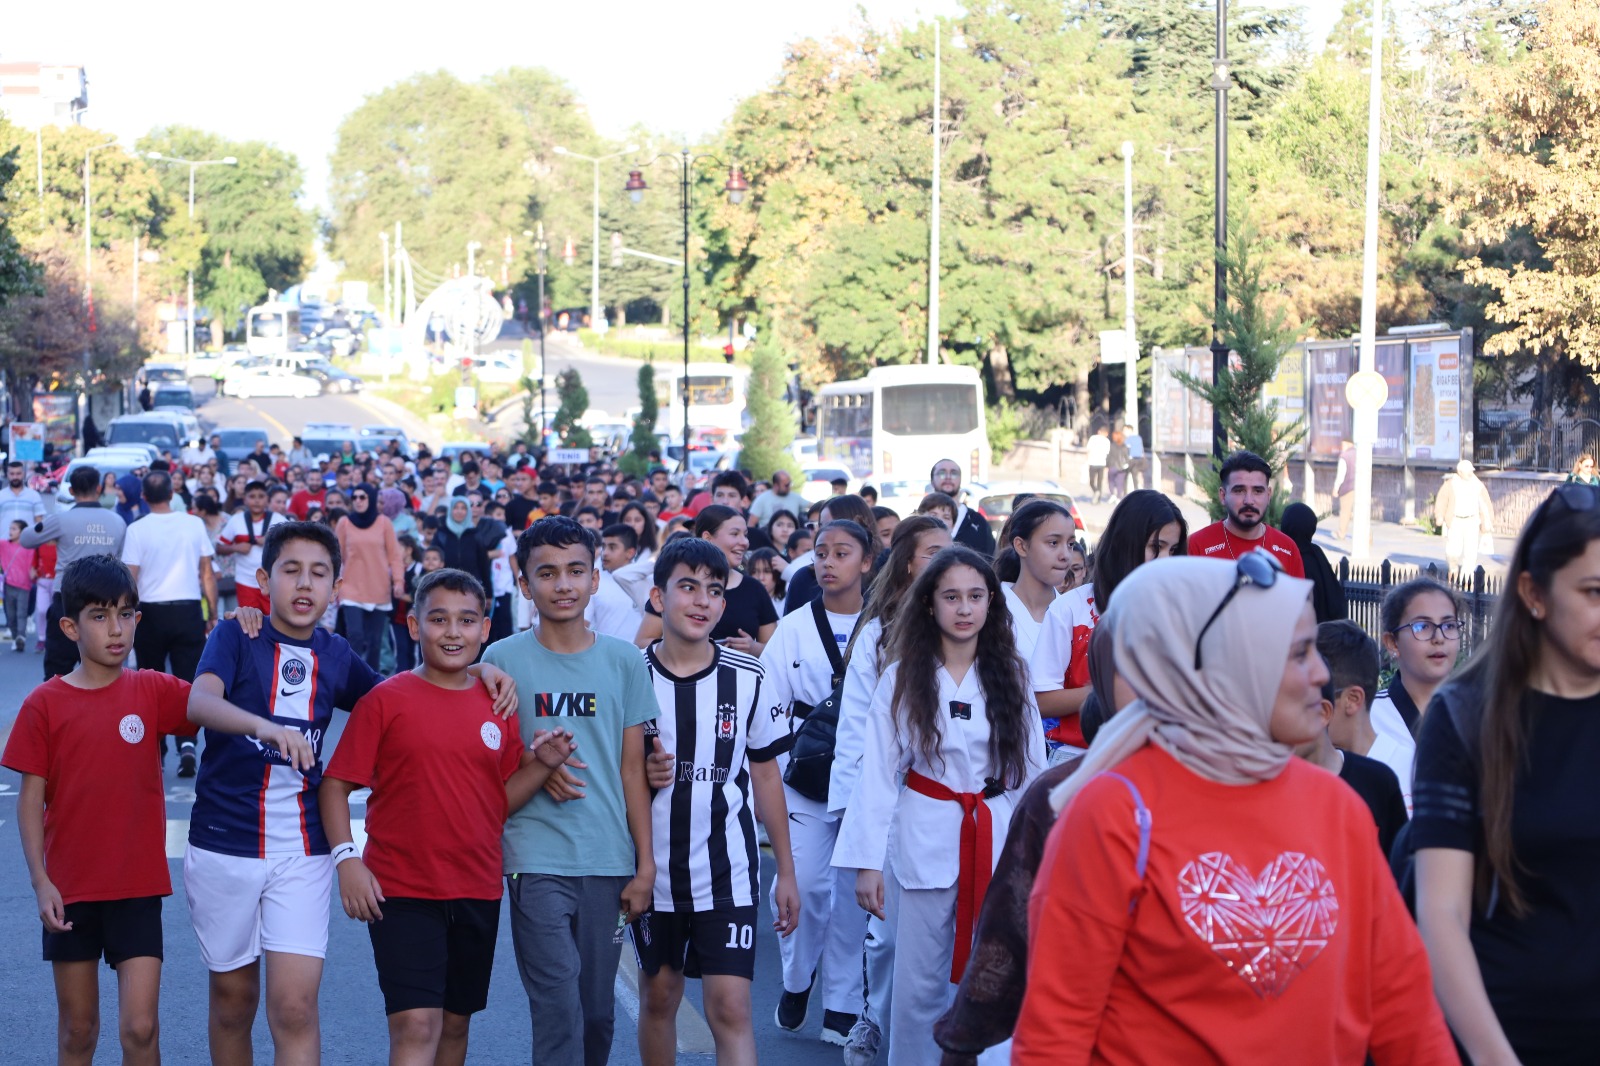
1435, 409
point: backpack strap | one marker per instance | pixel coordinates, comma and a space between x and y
819, 614
1141, 816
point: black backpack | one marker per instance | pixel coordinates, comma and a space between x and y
811, 758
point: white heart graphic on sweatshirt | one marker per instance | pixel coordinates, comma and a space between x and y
1267, 929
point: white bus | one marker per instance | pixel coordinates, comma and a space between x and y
900, 420
272, 328
718, 412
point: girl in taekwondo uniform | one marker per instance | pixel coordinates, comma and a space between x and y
801, 672
954, 713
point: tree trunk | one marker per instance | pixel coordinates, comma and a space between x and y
1000, 369
622, 315
1080, 403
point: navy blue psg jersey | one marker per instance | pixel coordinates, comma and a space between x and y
248, 800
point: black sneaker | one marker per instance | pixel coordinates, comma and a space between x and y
836, 1026
791, 1012
186, 761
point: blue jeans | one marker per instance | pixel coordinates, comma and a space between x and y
364, 630
405, 649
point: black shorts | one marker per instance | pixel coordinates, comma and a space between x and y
434, 953
115, 928
719, 943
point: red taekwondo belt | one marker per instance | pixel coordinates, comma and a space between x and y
977, 861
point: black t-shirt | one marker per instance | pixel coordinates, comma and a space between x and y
747, 607
1377, 786
1542, 971
518, 512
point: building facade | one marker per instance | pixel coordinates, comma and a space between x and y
33, 95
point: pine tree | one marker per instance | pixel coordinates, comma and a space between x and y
574, 402
764, 449
1259, 340
643, 441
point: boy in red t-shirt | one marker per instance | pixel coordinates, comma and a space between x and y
445, 772
85, 745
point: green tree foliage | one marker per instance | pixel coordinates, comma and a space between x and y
764, 449
19, 275
1259, 339
643, 441
574, 401
258, 232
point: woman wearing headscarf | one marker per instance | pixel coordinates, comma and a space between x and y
130, 498
374, 573
392, 503
1299, 524
1223, 901
457, 537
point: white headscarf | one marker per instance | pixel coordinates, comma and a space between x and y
1214, 721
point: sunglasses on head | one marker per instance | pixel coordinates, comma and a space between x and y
1253, 568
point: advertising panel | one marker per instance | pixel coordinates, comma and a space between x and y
1435, 409
1389, 359
1331, 417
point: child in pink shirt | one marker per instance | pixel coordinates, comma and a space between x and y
17, 562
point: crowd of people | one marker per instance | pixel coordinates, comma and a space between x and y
1024, 801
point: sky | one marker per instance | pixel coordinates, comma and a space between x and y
290, 77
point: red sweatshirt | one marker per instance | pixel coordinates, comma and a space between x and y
1267, 929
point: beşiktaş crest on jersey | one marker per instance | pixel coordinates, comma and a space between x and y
726, 717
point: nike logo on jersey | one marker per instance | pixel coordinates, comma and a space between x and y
286, 692
797, 664
564, 704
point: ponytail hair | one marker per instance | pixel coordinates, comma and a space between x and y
1023, 522
894, 578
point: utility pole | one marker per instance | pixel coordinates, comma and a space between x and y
1131, 401
933, 232
1367, 390
1220, 80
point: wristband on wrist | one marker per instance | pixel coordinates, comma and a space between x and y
345, 851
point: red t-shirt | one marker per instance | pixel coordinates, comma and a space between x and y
300, 503
437, 761
1215, 542
105, 807
1266, 928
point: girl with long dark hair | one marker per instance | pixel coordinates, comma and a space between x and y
954, 713
800, 673
634, 516
1508, 861
1035, 551
748, 616
1144, 527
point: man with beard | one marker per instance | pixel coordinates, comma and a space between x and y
1246, 493
19, 503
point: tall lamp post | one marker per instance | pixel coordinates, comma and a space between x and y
736, 186
1130, 403
541, 251
594, 267
935, 211
193, 165
1367, 389
1220, 80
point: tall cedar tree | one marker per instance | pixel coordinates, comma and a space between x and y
643, 441
765, 445
574, 402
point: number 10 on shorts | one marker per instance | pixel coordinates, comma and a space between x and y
739, 936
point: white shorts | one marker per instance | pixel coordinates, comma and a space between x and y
242, 906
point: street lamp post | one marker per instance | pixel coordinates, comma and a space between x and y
938, 167
541, 249
1367, 389
736, 186
1130, 403
193, 165
1219, 350
38, 143
594, 268
88, 249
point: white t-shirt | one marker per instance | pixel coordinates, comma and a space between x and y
167, 549
237, 531
1022, 620
611, 611
25, 506
500, 574
1098, 449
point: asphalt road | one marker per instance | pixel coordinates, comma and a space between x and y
353, 1027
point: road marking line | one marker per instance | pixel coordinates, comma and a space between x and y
694, 1035
253, 409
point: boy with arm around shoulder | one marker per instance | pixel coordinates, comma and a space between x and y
444, 774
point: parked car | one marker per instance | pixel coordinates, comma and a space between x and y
120, 463
376, 438
817, 481
327, 438
153, 374
997, 499
499, 367
271, 381
239, 442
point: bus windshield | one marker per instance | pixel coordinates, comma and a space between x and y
923, 410
267, 324
707, 391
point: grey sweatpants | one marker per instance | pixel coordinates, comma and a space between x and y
17, 613
564, 931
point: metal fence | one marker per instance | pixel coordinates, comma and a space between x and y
1366, 586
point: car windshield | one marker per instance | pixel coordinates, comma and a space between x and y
1005, 503
326, 445
241, 439
161, 434
163, 373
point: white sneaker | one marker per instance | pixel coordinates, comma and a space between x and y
861, 1046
